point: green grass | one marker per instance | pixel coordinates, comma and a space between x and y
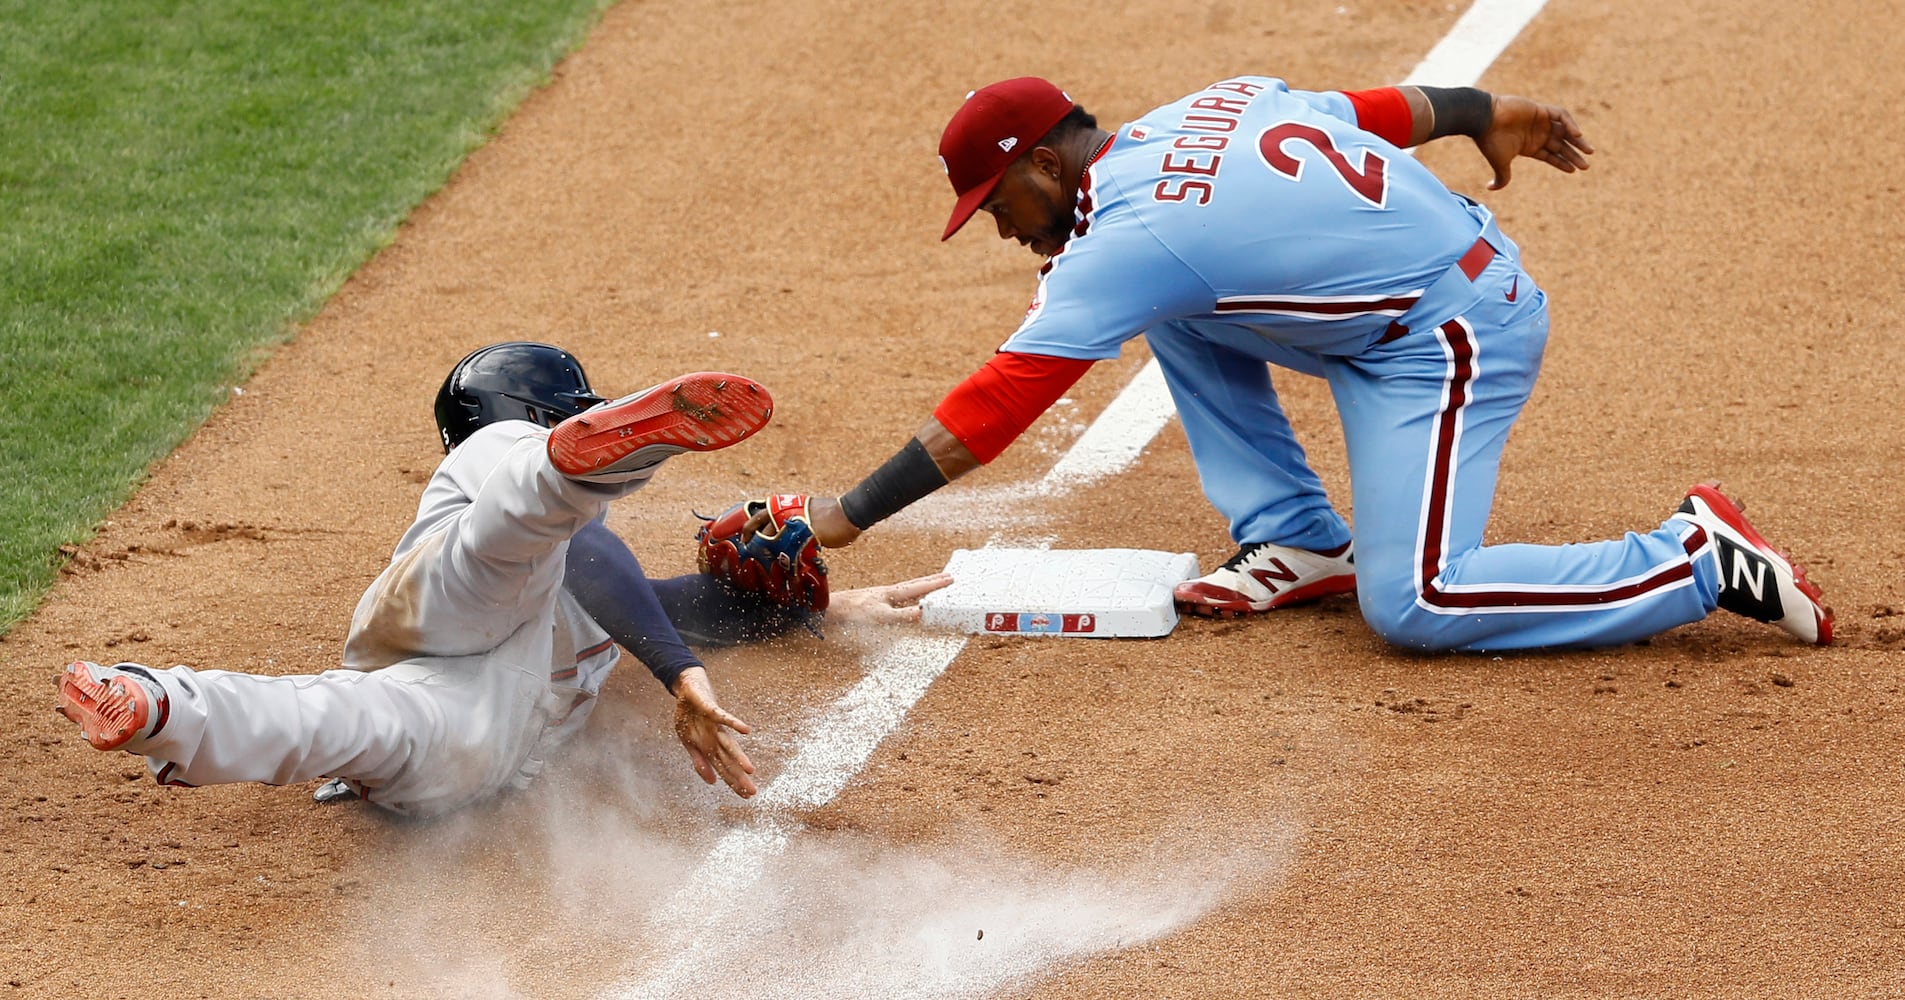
182, 185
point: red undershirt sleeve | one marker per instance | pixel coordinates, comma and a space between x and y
990, 409
1383, 111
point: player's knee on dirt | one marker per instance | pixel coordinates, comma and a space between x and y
1400, 621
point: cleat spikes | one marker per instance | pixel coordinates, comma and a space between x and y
622, 440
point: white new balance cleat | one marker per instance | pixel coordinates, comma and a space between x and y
619, 440
1263, 576
1756, 580
116, 707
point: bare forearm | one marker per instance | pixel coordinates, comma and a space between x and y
948, 452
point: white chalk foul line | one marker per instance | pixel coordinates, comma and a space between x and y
898, 675
1478, 38
842, 739
1114, 441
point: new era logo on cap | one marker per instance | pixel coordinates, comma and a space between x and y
980, 141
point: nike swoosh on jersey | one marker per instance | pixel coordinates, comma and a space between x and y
1513, 287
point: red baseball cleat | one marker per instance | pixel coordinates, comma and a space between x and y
1756, 580
619, 440
114, 707
1263, 576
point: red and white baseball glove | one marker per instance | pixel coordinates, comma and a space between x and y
780, 560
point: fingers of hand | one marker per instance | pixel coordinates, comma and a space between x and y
714, 753
723, 717
734, 766
700, 760
1573, 155
1565, 141
695, 702
918, 587
1561, 156
1565, 121
1556, 161
698, 722
731, 754
726, 770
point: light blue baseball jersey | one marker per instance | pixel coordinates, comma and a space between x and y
1249, 224
1251, 204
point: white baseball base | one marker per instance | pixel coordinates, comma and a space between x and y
1087, 593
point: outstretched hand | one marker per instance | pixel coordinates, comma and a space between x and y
1544, 132
702, 726
891, 604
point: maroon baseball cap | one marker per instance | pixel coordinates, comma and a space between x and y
994, 127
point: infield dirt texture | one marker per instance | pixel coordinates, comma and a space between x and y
1269, 808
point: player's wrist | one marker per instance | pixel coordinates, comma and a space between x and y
1459, 111
829, 520
677, 680
907, 477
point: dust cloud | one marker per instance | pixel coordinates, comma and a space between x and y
843, 917
612, 878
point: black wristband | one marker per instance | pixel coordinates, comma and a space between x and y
1459, 111
907, 476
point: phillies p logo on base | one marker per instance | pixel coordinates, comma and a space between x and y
1039, 622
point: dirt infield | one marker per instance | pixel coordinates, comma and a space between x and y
1279, 807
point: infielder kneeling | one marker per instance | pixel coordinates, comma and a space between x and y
483, 644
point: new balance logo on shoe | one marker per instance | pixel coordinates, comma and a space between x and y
1755, 579
1263, 576
1750, 571
1270, 578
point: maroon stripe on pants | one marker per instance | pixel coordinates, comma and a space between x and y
1442, 466
1460, 339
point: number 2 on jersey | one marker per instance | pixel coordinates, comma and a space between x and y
1370, 182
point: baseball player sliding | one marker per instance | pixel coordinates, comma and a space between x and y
481, 647
1250, 224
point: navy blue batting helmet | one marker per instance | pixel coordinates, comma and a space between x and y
519, 380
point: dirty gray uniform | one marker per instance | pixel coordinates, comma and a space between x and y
466, 660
